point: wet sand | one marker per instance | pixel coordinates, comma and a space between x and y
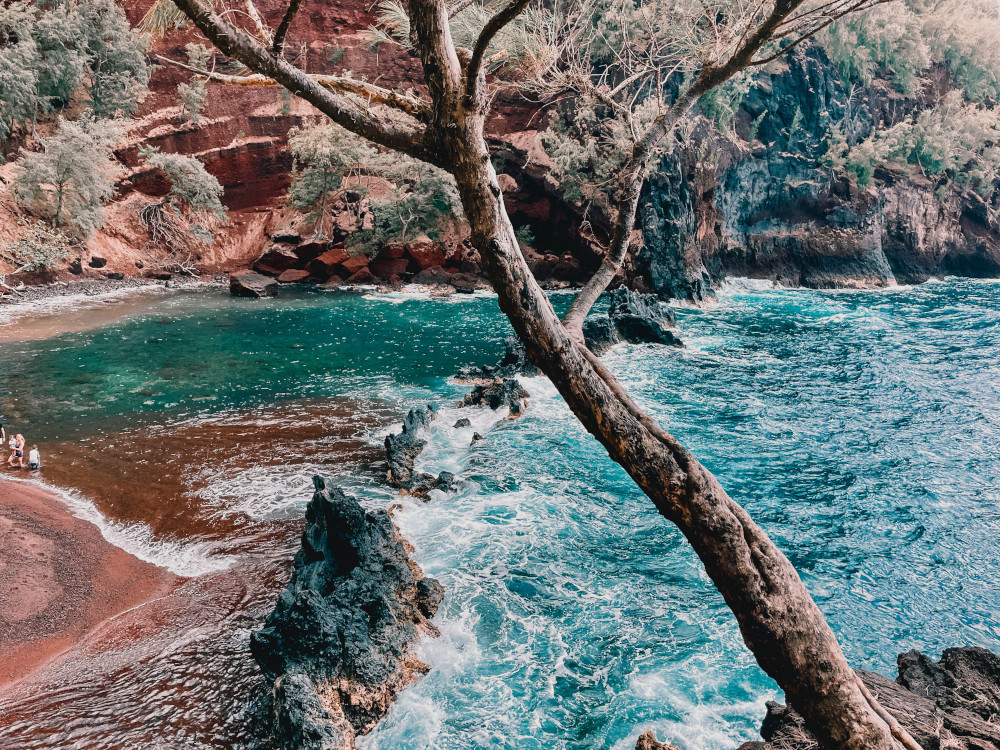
59, 579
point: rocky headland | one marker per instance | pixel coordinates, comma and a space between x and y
340, 642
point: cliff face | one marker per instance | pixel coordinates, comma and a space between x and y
716, 207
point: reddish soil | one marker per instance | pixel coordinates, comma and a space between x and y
59, 578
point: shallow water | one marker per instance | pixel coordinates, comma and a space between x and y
861, 429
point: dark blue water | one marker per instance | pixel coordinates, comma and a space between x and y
861, 429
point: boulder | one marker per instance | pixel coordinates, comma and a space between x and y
600, 334
952, 703
339, 644
275, 260
402, 450
363, 277
514, 362
432, 277
328, 263
251, 284
463, 422
307, 251
97, 261
354, 263
293, 276
466, 283
76, 267
115, 275
393, 250
425, 253
332, 283
287, 236
386, 268
648, 741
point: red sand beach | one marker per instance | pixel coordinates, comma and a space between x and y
59, 578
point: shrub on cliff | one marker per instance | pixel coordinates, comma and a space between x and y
191, 96
188, 213
955, 141
326, 155
68, 182
40, 248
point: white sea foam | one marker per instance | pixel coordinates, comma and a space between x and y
11, 313
183, 558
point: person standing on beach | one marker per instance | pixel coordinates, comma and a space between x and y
18, 445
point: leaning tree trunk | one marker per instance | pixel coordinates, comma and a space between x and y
778, 619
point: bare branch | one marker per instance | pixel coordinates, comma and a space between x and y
493, 27
372, 94
458, 7
286, 20
413, 140
263, 30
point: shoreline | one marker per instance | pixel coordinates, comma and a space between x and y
60, 579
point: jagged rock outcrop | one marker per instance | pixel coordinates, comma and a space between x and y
952, 704
648, 741
632, 317
514, 362
339, 644
401, 451
503, 392
720, 207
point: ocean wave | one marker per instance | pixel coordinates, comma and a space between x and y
183, 558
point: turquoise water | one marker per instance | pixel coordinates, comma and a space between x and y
861, 429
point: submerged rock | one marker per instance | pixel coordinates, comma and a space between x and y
949, 704
339, 644
506, 392
514, 362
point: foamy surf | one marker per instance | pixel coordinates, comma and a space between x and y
186, 559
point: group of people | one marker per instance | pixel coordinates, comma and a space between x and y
17, 444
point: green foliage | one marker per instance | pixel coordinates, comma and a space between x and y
40, 248
20, 62
68, 182
755, 127
956, 142
904, 38
191, 96
525, 237
793, 128
192, 189
51, 53
336, 55
420, 195
721, 104
116, 70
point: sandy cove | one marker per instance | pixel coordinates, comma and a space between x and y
59, 579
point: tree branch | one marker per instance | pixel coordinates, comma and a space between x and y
493, 27
415, 141
458, 7
263, 30
286, 20
412, 106
633, 171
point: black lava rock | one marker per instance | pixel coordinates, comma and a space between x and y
339, 644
